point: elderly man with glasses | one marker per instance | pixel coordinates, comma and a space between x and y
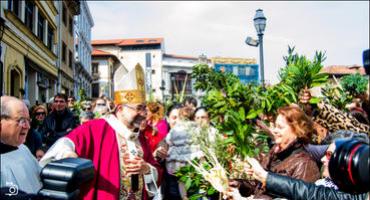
124, 165
19, 168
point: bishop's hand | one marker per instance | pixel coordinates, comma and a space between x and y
133, 164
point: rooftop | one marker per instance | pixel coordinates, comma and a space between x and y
229, 60
180, 56
97, 52
343, 69
128, 42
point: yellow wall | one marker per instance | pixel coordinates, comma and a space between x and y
17, 49
13, 60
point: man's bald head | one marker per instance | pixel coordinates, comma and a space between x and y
15, 121
8, 105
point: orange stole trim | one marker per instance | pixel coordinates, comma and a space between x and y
129, 96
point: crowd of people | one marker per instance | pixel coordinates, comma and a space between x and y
134, 137
55, 119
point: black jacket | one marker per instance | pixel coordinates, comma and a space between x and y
51, 132
33, 140
290, 188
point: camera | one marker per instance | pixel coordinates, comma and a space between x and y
349, 166
366, 60
12, 189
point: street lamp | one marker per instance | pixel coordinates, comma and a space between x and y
162, 88
172, 86
252, 42
260, 25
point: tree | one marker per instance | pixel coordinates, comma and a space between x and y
355, 84
301, 73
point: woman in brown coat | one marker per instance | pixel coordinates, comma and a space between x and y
293, 129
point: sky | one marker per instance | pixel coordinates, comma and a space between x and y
219, 28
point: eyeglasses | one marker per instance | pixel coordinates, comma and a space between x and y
101, 104
40, 113
137, 108
21, 121
328, 154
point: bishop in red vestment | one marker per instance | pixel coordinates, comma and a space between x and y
116, 150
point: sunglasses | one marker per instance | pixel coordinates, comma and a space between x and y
40, 113
328, 154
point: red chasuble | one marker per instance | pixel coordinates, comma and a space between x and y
96, 140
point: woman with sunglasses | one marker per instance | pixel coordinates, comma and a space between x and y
34, 139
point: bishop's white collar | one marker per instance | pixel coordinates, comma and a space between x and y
120, 128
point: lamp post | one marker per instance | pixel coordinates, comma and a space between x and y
172, 85
162, 88
260, 25
2, 29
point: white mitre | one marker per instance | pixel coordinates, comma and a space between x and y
129, 87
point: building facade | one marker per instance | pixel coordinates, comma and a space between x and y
104, 64
167, 75
176, 76
147, 52
29, 53
83, 49
67, 10
246, 69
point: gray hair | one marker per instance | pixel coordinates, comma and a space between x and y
6, 109
87, 115
345, 134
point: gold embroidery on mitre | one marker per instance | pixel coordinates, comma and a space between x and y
129, 96
140, 81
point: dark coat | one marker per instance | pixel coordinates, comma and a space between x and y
33, 140
289, 188
294, 162
50, 133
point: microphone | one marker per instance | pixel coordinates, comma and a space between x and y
135, 182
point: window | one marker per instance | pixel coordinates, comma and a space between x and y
249, 72
13, 5
77, 53
235, 70
148, 60
64, 16
95, 68
29, 10
50, 38
178, 82
70, 59
64, 52
95, 90
71, 25
40, 27
241, 71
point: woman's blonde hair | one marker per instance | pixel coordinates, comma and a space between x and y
156, 110
300, 123
39, 107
